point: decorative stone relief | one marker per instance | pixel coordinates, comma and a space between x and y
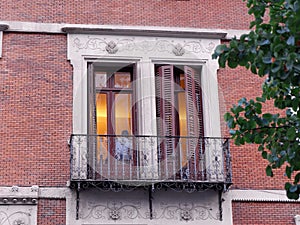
14, 189
114, 211
35, 188
120, 211
18, 215
186, 212
131, 44
111, 47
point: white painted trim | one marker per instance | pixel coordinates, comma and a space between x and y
1, 39
297, 219
17, 26
66, 192
260, 195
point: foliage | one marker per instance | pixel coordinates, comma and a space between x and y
270, 50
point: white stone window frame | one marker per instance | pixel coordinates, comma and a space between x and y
3, 27
146, 52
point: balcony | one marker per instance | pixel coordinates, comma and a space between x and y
131, 161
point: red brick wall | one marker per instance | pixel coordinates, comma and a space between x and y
51, 212
36, 110
192, 13
264, 213
248, 167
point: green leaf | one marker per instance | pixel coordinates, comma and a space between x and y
292, 195
253, 69
288, 171
275, 68
222, 61
269, 171
227, 116
291, 40
232, 132
297, 178
263, 42
220, 49
291, 134
293, 188
264, 154
232, 63
287, 186
267, 59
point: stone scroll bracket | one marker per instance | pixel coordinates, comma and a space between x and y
2, 28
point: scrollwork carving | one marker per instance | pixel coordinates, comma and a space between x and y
114, 211
186, 212
131, 44
16, 218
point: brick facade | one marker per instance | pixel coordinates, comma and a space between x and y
52, 212
264, 213
169, 13
36, 95
36, 85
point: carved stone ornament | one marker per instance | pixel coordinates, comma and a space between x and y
35, 188
115, 214
111, 47
133, 45
178, 50
14, 189
186, 215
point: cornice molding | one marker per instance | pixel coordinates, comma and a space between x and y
62, 28
260, 196
178, 33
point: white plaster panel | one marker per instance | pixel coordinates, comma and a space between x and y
169, 207
18, 214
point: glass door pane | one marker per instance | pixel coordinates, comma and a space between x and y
102, 142
182, 126
101, 112
123, 115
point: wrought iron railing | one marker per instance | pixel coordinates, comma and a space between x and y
149, 159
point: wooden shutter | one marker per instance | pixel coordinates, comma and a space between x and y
165, 107
193, 114
191, 102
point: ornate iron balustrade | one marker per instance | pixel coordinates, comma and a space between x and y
138, 160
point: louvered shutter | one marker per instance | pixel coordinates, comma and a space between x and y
194, 118
191, 103
165, 107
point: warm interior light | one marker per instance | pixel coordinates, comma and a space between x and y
101, 112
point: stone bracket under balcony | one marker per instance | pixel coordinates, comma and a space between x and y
189, 187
